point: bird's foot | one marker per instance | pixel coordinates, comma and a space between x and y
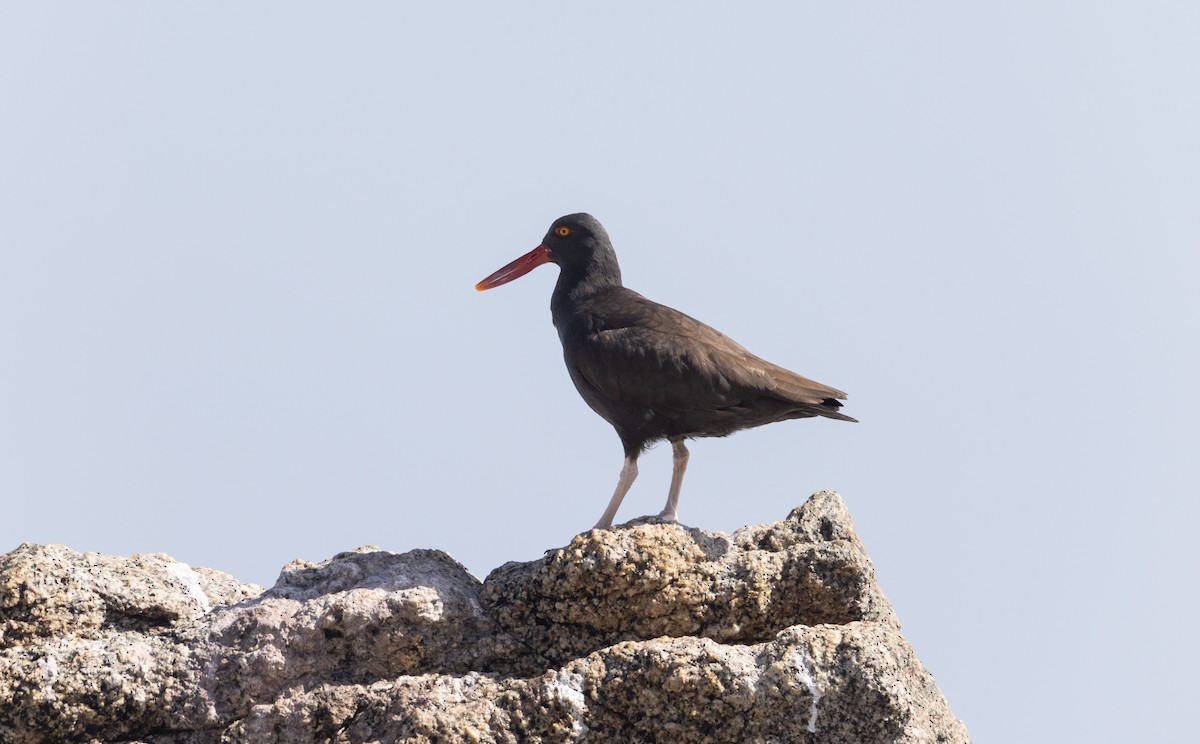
668, 516
660, 518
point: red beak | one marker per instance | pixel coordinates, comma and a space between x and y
516, 269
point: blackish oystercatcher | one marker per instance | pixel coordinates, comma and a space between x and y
649, 370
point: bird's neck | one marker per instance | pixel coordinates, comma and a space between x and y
576, 282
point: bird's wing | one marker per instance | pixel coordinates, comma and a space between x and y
642, 352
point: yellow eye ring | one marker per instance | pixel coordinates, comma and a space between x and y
563, 232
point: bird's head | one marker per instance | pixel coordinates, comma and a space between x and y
578, 243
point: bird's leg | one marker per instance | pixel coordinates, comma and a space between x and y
628, 473
679, 455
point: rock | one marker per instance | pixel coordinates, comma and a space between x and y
67, 689
362, 616
648, 632
652, 580
88, 642
50, 591
855, 683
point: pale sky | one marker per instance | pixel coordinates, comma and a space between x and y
238, 244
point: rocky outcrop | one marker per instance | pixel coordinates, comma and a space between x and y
647, 632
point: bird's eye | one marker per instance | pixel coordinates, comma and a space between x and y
563, 231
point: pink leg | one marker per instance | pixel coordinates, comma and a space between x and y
679, 454
628, 472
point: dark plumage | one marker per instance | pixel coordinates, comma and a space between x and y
649, 370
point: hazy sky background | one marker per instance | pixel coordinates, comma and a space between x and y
238, 244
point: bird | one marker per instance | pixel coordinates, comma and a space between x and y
649, 370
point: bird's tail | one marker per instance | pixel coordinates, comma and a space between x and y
829, 409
